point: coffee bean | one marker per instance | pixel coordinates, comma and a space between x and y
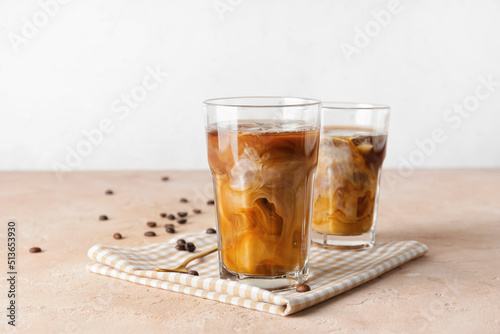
210, 202
163, 214
170, 229
103, 217
150, 234
171, 217
35, 250
193, 272
184, 200
169, 225
211, 231
109, 192
303, 288
165, 178
190, 247
151, 224
197, 211
182, 214
181, 242
182, 221
117, 236
180, 247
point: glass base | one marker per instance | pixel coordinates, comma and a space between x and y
272, 283
360, 241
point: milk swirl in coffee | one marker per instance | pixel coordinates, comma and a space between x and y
349, 165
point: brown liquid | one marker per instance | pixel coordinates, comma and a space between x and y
263, 179
346, 183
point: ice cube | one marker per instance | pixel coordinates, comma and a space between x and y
250, 127
335, 150
361, 140
247, 170
293, 126
365, 148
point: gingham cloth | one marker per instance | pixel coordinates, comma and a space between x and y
332, 272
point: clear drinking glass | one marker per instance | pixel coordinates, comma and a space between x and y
346, 190
263, 153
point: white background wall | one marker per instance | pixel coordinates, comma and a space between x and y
63, 73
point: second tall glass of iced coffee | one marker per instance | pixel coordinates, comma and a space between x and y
263, 153
352, 149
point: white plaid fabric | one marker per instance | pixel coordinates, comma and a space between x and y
332, 272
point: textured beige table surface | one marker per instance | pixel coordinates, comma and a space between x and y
455, 288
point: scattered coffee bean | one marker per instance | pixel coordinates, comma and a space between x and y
211, 231
117, 236
182, 214
171, 217
182, 221
184, 200
197, 211
150, 234
181, 242
190, 247
35, 250
109, 192
303, 288
180, 247
165, 178
169, 225
193, 272
211, 202
170, 229
151, 224
103, 217
163, 214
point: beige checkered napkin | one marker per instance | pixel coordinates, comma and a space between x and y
332, 272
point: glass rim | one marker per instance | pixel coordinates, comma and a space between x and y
301, 102
353, 105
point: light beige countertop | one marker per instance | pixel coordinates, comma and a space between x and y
455, 288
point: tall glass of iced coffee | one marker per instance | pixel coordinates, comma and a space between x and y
263, 153
352, 149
